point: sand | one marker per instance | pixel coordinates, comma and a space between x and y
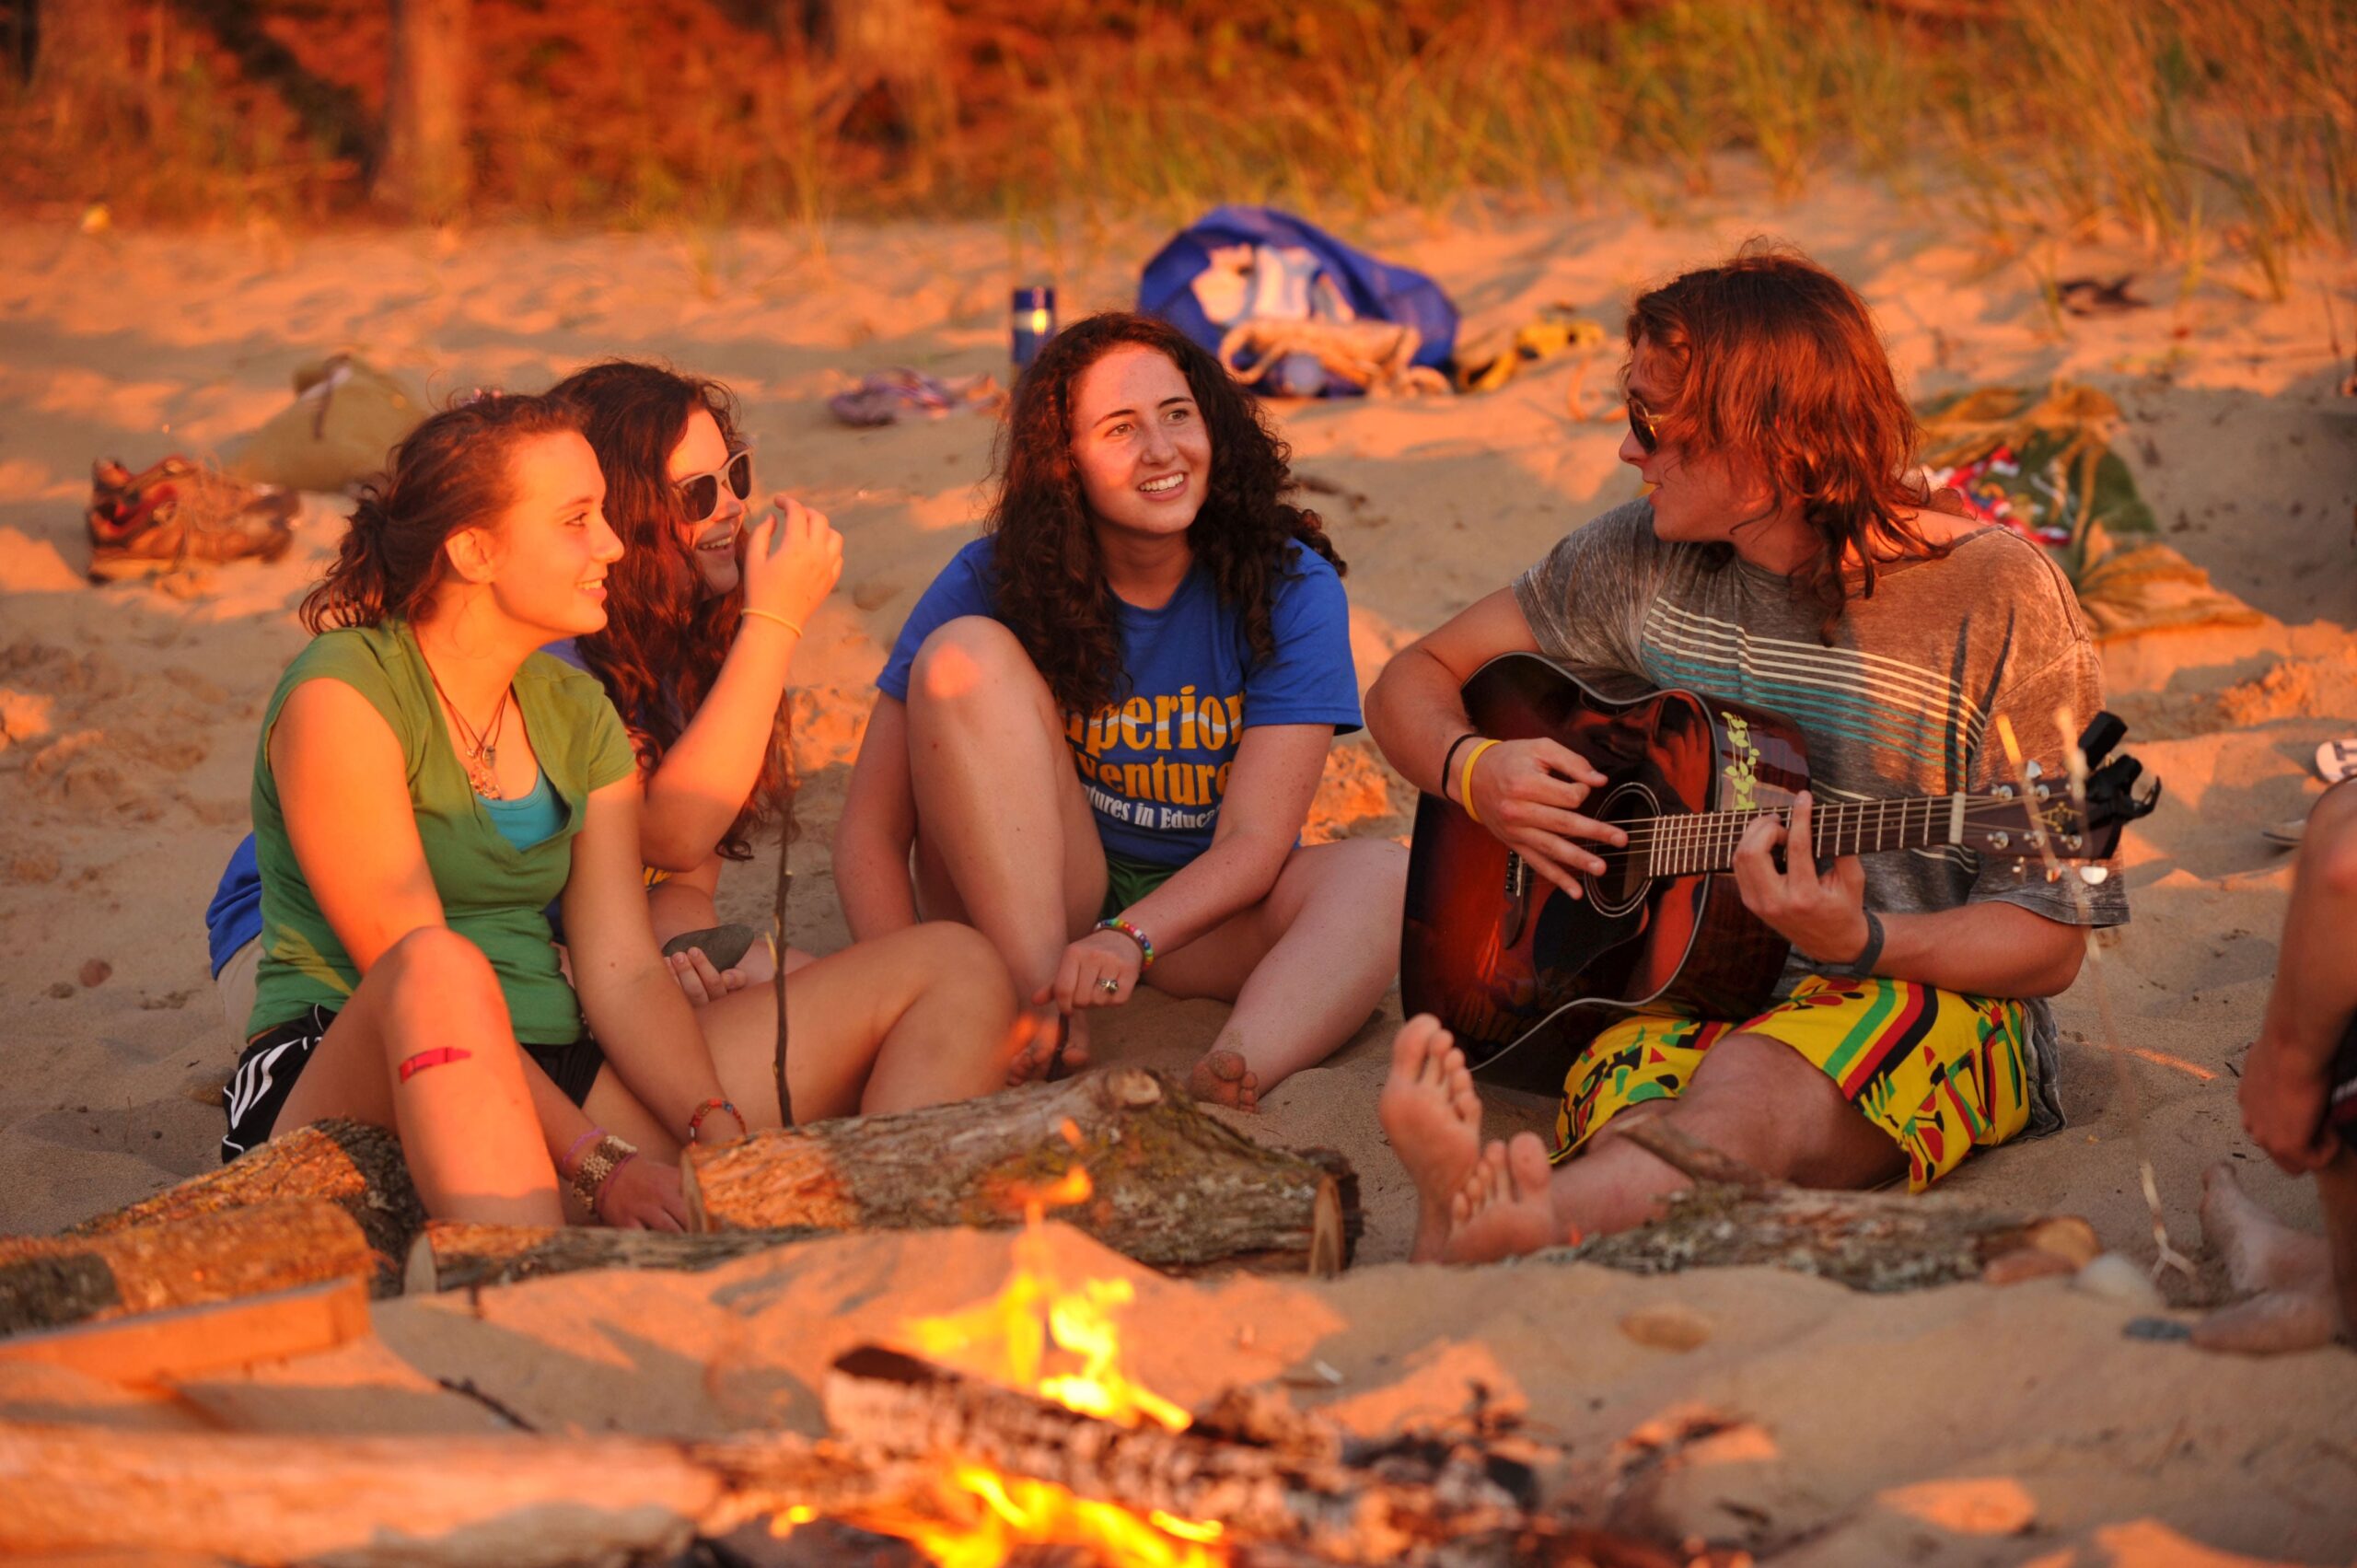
129, 720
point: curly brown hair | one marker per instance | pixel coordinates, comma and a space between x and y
453, 471
663, 640
1047, 569
1773, 361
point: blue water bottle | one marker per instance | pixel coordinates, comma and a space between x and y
1033, 319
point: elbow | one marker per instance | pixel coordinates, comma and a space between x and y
672, 851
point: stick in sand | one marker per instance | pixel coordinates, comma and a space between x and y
782, 746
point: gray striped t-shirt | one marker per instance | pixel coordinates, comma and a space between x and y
1901, 703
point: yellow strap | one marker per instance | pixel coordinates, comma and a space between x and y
1465, 780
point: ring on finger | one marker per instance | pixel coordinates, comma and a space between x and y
1108, 985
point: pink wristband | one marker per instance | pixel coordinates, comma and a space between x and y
564, 1165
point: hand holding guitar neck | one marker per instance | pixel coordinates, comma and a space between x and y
1823, 913
1529, 794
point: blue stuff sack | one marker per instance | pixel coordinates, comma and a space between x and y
1240, 263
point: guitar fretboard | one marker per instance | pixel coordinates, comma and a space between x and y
1705, 841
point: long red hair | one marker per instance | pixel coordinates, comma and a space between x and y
1773, 362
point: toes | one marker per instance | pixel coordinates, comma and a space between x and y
1411, 1047
1526, 1163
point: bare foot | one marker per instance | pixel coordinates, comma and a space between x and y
1223, 1079
2270, 1323
1433, 1119
1036, 1056
2261, 1253
1504, 1209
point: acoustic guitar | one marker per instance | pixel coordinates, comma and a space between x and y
1504, 958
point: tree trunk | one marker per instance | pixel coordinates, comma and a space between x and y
891, 68
423, 174
45, 1282
82, 67
350, 1163
449, 1256
1869, 1241
1170, 1186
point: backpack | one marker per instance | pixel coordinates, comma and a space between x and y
1237, 266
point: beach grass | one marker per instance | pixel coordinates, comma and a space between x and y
2210, 131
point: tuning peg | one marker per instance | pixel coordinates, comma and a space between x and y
2053, 874
2094, 875
2032, 769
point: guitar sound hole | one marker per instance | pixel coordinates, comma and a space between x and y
1624, 881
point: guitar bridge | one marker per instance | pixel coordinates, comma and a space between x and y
1517, 910
1517, 875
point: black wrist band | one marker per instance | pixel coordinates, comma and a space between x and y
1449, 761
1863, 966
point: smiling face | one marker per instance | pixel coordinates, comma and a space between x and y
545, 560
1697, 498
708, 545
1139, 444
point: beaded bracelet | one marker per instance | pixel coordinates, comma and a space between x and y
1145, 943
695, 1123
606, 1156
564, 1165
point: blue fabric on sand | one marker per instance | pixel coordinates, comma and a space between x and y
1154, 765
1238, 264
233, 917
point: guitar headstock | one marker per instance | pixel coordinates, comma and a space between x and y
2050, 824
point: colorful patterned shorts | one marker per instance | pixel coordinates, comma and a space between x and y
1941, 1073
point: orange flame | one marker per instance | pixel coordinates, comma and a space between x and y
976, 1517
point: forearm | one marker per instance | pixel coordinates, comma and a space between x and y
1982, 950
705, 777
650, 1037
2316, 982
1232, 876
1415, 712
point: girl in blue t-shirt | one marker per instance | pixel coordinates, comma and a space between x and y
1099, 733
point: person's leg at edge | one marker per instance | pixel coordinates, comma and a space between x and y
1753, 1098
1305, 967
922, 1017
1005, 840
2337, 1187
464, 1111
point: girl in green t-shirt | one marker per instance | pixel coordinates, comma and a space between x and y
427, 782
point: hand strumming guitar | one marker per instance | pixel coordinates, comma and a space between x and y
1528, 793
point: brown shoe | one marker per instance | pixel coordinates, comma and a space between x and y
177, 515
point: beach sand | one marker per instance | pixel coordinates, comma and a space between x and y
130, 717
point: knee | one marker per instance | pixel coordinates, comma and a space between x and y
961, 960
961, 657
2328, 848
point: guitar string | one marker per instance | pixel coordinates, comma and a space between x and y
1674, 840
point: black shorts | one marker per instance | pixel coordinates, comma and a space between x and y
273, 1059
2340, 1096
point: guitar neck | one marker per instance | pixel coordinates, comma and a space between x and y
1705, 841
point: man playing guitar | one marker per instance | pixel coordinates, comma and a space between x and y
1784, 558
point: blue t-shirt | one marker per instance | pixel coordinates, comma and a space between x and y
233, 917
1156, 763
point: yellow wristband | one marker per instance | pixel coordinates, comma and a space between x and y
1465, 780
773, 615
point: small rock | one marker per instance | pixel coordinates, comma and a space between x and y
2115, 1278
95, 972
1666, 1326
62, 989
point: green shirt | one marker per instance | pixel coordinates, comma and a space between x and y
492, 893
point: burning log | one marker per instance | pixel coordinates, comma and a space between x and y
1377, 1505
449, 1256
1869, 1241
46, 1282
350, 1163
1174, 1188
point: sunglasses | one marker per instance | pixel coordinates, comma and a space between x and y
701, 491
1641, 425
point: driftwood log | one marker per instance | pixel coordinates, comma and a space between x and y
1870, 1241
350, 1163
48, 1281
1171, 1186
452, 1256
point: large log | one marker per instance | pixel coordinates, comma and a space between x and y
453, 1255
182, 1343
350, 1163
1870, 1241
47, 1282
1171, 1186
